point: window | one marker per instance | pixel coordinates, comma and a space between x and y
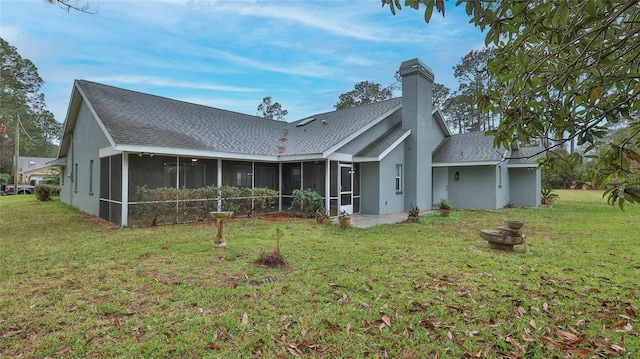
398, 178
91, 178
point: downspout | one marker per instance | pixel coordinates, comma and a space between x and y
73, 150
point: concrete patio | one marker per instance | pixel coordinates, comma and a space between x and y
359, 220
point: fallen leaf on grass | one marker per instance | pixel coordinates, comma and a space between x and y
245, 319
569, 338
332, 327
63, 351
426, 323
617, 324
631, 310
293, 349
581, 351
386, 320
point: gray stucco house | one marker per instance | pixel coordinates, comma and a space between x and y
377, 158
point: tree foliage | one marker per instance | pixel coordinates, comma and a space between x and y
475, 79
459, 110
566, 69
440, 94
363, 93
271, 111
20, 96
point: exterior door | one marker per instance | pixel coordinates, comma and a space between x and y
440, 184
346, 188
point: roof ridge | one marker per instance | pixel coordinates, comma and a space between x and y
170, 99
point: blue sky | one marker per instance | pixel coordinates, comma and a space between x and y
231, 54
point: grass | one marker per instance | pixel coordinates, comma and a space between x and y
73, 287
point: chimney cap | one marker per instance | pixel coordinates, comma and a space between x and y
415, 66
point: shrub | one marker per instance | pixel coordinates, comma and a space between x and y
306, 202
264, 199
547, 196
171, 205
413, 213
44, 192
444, 204
5, 178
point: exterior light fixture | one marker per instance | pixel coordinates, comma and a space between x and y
457, 176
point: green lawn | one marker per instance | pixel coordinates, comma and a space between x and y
72, 287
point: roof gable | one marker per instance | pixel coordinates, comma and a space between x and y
138, 119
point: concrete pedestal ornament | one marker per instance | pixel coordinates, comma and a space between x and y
504, 237
220, 217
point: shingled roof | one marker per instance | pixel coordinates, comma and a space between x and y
475, 147
469, 147
526, 156
384, 142
137, 119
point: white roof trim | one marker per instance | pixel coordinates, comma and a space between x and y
62, 161
354, 135
465, 164
384, 153
108, 151
297, 158
523, 165
394, 145
340, 157
193, 153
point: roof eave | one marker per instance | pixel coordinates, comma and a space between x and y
360, 131
465, 164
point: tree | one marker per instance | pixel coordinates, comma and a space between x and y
363, 93
440, 92
20, 96
566, 70
271, 111
459, 110
475, 80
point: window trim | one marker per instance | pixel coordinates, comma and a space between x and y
398, 179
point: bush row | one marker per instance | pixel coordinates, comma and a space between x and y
171, 205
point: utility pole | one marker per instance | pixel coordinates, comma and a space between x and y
16, 155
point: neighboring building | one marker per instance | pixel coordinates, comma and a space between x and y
377, 158
33, 168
